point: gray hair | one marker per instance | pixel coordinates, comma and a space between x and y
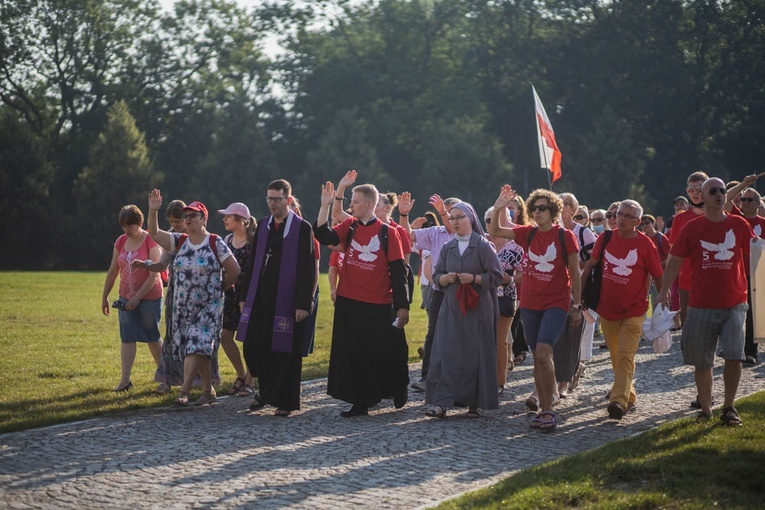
634, 205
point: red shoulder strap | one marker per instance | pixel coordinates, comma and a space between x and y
181, 241
214, 248
120, 244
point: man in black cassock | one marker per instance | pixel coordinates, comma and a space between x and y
368, 359
276, 297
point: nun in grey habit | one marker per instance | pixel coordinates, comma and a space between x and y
463, 366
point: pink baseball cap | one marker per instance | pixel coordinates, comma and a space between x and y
237, 208
198, 207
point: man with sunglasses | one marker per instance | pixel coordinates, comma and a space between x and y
716, 245
694, 184
748, 202
630, 260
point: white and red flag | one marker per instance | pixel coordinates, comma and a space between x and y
549, 154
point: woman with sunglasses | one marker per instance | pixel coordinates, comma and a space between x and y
199, 258
582, 216
550, 276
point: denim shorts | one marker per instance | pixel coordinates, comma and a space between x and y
702, 328
543, 326
141, 324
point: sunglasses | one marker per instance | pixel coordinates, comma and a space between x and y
540, 208
715, 191
597, 220
610, 215
274, 200
579, 217
691, 189
748, 199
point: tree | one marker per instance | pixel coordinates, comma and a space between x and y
25, 201
120, 172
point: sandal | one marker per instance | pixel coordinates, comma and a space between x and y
547, 425
282, 412
237, 386
247, 391
256, 403
472, 413
182, 400
436, 412
730, 417
532, 403
703, 417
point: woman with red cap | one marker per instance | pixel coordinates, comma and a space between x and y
199, 258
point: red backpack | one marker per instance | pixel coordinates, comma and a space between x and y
213, 239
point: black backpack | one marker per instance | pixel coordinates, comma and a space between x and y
591, 290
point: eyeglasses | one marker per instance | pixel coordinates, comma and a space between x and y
715, 191
749, 199
190, 216
597, 220
457, 218
540, 208
610, 215
625, 215
274, 200
579, 217
691, 189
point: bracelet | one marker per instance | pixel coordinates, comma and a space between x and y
403, 215
340, 198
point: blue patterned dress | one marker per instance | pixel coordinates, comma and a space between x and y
197, 307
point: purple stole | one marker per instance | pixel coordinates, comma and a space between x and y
284, 319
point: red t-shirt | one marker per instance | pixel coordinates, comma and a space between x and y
716, 252
684, 280
366, 276
627, 265
662, 248
336, 259
546, 282
406, 240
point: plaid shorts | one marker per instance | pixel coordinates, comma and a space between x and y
703, 327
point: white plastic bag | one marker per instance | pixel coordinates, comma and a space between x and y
657, 328
662, 343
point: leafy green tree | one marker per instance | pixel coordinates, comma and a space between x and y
120, 172
25, 203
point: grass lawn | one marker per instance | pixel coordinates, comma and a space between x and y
61, 356
679, 465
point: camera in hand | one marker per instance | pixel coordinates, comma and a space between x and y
119, 305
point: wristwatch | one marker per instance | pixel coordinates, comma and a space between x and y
148, 262
576, 307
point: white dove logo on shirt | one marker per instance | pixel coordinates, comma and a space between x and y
543, 261
723, 249
367, 253
622, 266
758, 230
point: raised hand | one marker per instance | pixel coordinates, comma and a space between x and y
405, 202
348, 179
506, 195
155, 200
418, 223
437, 204
327, 193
